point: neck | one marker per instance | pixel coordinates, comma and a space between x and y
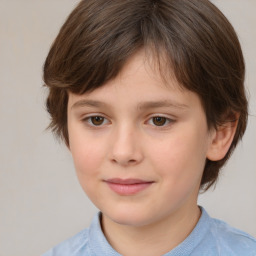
154, 239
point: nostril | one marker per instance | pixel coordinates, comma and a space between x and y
124, 161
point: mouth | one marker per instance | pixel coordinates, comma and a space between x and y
126, 187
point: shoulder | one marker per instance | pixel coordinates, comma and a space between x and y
87, 242
231, 240
74, 246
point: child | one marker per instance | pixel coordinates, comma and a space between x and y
149, 98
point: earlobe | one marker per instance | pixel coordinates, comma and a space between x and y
221, 139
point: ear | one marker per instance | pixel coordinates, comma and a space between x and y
222, 138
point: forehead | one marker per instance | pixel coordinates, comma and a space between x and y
141, 85
153, 65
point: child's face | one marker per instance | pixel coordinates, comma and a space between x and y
136, 129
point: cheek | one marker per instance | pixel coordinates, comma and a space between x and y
88, 160
181, 159
88, 155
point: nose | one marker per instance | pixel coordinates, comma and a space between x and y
126, 148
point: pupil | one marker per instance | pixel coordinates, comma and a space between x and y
159, 121
97, 120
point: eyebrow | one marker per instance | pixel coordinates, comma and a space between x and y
141, 106
160, 104
88, 103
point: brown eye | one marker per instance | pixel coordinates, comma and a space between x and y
97, 120
159, 120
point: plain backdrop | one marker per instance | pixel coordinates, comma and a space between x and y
41, 202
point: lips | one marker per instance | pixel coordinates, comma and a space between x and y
127, 187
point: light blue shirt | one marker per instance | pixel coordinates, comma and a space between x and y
210, 237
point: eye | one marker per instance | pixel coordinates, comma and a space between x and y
96, 120
160, 121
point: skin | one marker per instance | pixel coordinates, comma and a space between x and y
114, 133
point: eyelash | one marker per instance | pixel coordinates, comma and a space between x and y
167, 121
88, 120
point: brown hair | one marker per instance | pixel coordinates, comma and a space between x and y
198, 42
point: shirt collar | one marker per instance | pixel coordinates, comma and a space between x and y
97, 241
99, 245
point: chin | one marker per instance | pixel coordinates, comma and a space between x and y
129, 218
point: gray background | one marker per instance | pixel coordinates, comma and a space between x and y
41, 202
